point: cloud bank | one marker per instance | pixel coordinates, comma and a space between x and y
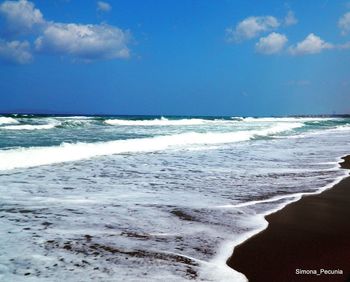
84, 42
275, 42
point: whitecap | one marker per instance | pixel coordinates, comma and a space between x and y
7, 120
36, 156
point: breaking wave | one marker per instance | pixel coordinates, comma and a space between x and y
157, 122
36, 156
28, 127
284, 119
7, 120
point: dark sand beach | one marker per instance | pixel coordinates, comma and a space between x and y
306, 236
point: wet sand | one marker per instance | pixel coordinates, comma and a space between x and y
306, 236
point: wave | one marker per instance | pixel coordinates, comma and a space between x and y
7, 120
260, 221
197, 121
66, 152
285, 119
157, 122
75, 117
237, 118
344, 127
71, 123
29, 127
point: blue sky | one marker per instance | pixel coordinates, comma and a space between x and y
175, 57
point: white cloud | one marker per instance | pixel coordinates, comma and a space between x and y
290, 19
251, 27
312, 44
103, 6
21, 16
15, 52
344, 23
271, 44
85, 42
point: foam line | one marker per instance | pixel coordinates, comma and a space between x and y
228, 247
7, 120
36, 156
156, 122
28, 127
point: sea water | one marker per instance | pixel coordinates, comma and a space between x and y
139, 198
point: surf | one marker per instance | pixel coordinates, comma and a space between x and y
67, 152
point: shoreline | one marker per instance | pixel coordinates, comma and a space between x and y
301, 239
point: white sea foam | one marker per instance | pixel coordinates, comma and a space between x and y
320, 132
261, 223
207, 186
28, 127
36, 156
7, 120
342, 128
76, 122
196, 121
157, 122
285, 119
237, 118
74, 117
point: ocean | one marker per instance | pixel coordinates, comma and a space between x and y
151, 198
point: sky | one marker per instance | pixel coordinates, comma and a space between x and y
175, 57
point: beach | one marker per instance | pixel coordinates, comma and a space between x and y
308, 240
